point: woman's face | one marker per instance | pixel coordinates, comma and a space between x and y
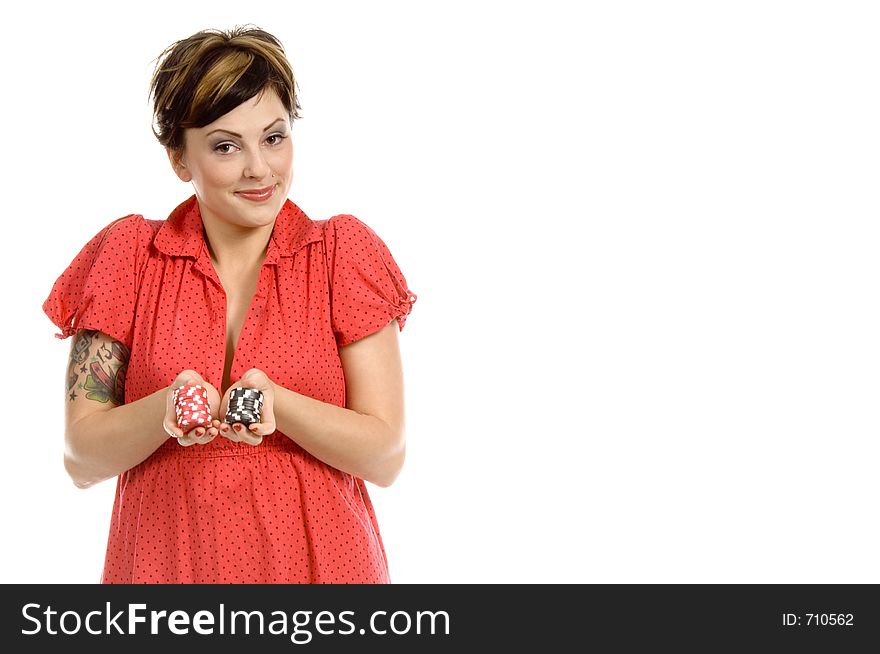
241, 165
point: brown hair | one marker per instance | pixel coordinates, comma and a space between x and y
202, 77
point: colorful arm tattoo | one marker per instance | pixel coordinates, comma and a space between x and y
102, 375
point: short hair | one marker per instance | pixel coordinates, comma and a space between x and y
202, 77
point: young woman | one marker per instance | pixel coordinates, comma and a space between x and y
236, 288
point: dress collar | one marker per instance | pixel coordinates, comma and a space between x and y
182, 233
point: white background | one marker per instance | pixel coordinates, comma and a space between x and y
644, 237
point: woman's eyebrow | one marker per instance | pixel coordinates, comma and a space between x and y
265, 129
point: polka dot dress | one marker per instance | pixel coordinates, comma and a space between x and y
228, 512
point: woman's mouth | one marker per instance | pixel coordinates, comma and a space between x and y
257, 194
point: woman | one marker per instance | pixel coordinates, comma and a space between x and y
237, 288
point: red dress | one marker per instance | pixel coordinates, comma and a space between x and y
229, 512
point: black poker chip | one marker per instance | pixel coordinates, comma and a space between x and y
245, 405
245, 419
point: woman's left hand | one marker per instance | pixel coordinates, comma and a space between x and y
252, 435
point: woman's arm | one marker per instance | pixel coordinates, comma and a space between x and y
104, 437
367, 437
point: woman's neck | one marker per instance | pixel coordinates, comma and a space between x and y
234, 248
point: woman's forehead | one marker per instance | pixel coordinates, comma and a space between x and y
260, 113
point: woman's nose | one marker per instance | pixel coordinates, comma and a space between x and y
255, 165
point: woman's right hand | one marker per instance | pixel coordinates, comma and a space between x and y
199, 435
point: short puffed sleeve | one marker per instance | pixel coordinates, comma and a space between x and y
98, 290
367, 288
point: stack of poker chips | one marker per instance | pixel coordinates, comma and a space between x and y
245, 405
191, 406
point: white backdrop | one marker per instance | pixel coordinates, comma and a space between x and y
644, 237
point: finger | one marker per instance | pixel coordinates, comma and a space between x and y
252, 439
202, 436
251, 436
194, 436
171, 427
260, 429
267, 425
229, 432
189, 377
246, 435
240, 431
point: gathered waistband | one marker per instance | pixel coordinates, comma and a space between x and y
220, 446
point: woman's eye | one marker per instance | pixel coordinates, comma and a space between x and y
275, 139
224, 148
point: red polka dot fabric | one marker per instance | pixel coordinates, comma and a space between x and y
229, 512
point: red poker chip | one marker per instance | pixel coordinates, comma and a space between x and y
192, 407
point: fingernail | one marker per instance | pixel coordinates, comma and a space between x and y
237, 427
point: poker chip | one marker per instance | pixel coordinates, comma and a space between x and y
191, 407
245, 405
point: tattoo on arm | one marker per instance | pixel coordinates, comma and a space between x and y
102, 375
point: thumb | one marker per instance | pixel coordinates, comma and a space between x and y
188, 377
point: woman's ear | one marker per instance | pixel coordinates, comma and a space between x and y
178, 164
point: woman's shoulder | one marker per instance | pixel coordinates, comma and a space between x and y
125, 237
130, 225
339, 232
345, 221
347, 228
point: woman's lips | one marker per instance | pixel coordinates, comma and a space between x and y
258, 194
